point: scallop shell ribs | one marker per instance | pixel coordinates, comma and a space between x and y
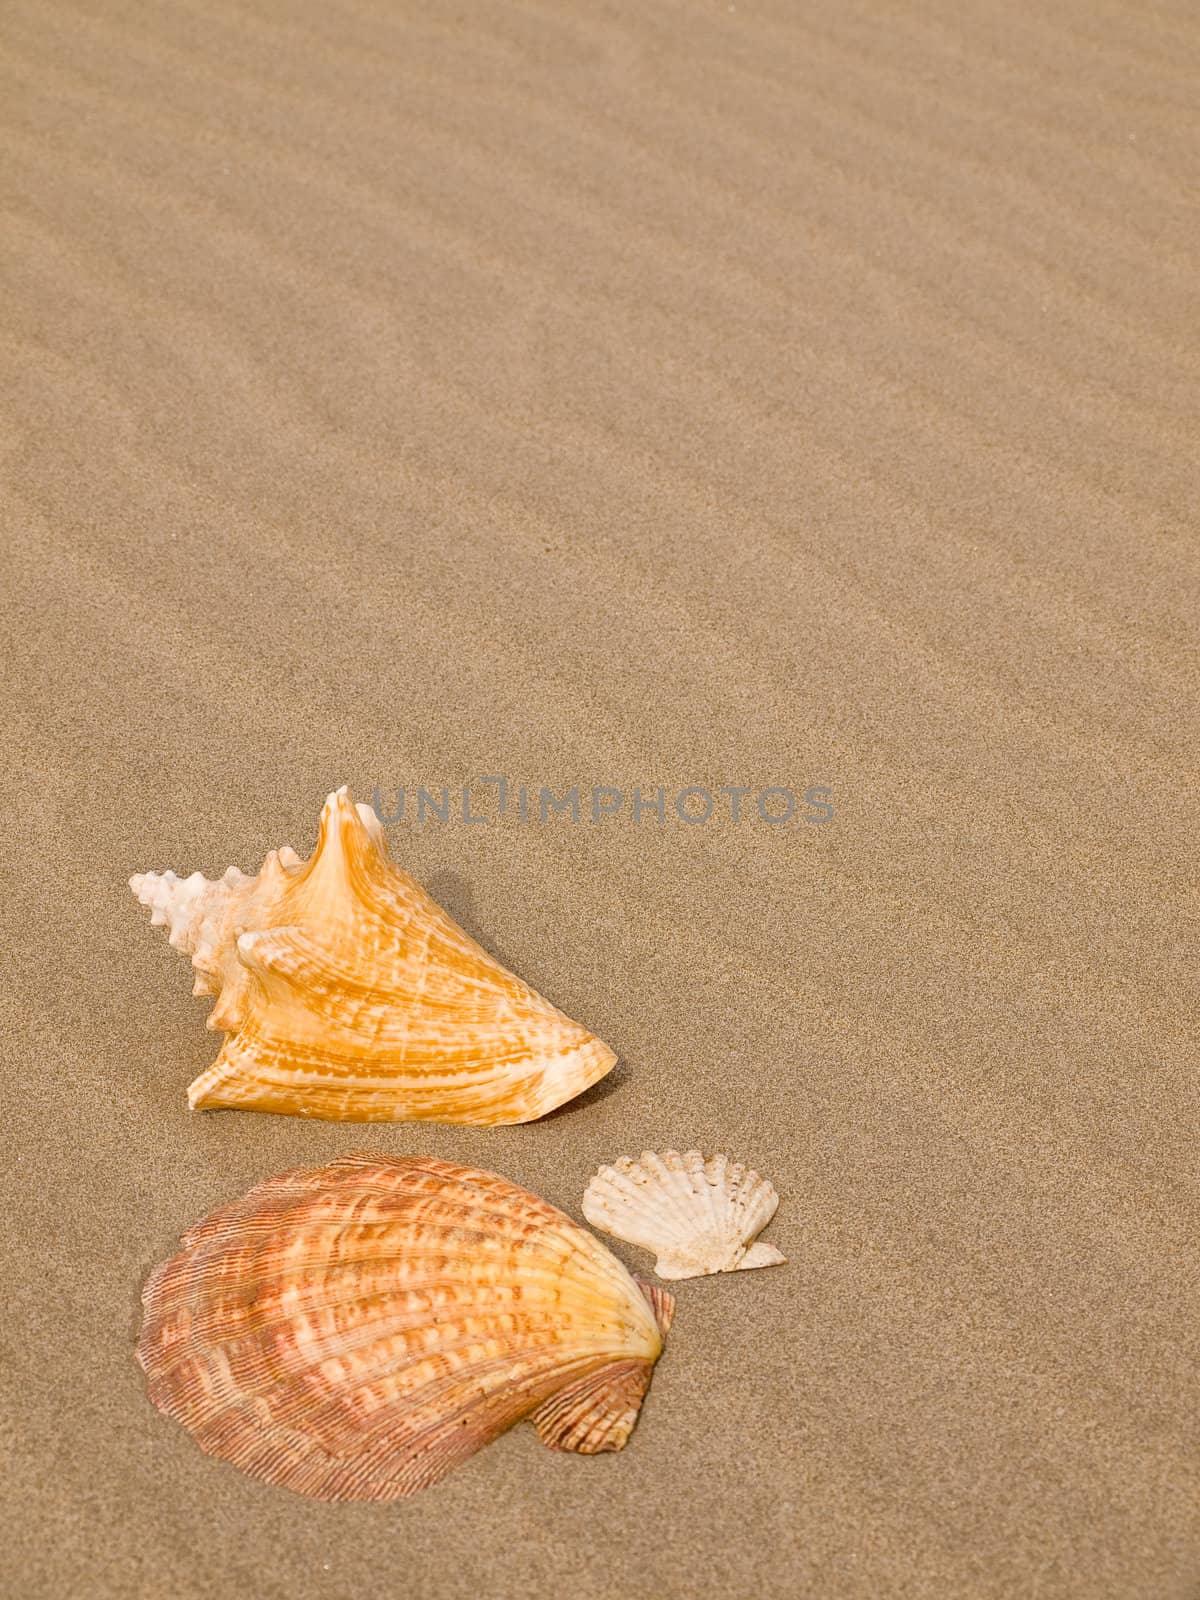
349, 994
355, 1331
698, 1216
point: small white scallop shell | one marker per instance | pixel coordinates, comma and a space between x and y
698, 1216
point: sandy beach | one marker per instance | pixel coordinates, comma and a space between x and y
717, 397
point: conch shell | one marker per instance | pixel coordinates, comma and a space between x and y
697, 1216
354, 1331
349, 994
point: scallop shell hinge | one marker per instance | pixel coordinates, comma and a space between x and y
353, 1332
348, 993
698, 1216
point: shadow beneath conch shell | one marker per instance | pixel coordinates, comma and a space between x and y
455, 896
608, 1084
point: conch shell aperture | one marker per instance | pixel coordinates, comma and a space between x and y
698, 1216
349, 994
355, 1331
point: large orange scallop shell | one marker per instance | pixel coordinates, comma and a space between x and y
349, 994
353, 1332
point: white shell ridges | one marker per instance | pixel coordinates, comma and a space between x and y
349, 994
697, 1216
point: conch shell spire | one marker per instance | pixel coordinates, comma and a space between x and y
196, 912
349, 994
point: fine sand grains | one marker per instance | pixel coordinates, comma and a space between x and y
668, 395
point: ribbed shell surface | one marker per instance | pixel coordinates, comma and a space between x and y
349, 994
354, 1331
